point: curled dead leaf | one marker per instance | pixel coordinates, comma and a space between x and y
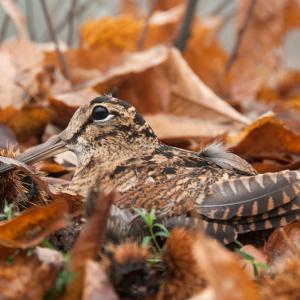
265, 137
283, 242
223, 271
34, 225
190, 90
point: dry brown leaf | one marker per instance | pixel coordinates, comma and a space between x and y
89, 241
28, 277
123, 32
257, 61
266, 137
282, 283
51, 168
64, 105
149, 91
168, 126
20, 63
34, 224
223, 272
105, 41
192, 95
205, 55
283, 242
168, 4
136, 62
96, 283
129, 7
7, 137
29, 122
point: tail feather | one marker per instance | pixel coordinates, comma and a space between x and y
269, 223
251, 195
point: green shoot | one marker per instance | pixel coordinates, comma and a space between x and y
149, 218
257, 266
8, 212
10, 258
47, 244
64, 277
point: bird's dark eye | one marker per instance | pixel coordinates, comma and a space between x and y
99, 113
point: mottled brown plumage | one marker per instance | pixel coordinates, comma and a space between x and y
112, 141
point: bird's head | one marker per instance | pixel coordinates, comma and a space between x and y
107, 128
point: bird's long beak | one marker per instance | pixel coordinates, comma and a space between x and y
53, 146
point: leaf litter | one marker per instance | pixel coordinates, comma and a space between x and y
190, 99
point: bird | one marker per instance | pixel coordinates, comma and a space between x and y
116, 147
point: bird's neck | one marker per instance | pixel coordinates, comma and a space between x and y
102, 164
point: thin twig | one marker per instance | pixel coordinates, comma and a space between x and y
60, 55
71, 22
79, 10
4, 27
240, 36
30, 19
142, 39
184, 33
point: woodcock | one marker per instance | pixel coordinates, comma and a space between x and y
116, 146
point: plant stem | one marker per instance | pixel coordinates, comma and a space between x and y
184, 33
71, 21
60, 55
142, 39
240, 36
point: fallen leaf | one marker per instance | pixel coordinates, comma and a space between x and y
27, 277
205, 55
257, 61
282, 282
168, 126
34, 225
51, 168
30, 122
192, 96
64, 105
7, 137
223, 271
258, 140
284, 242
129, 7
96, 283
149, 91
89, 241
129, 63
168, 4
21, 62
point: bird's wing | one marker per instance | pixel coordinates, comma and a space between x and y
227, 160
252, 196
219, 230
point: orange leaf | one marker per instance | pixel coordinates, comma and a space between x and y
36, 223
224, 272
267, 136
89, 241
28, 277
283, 242
96, 283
